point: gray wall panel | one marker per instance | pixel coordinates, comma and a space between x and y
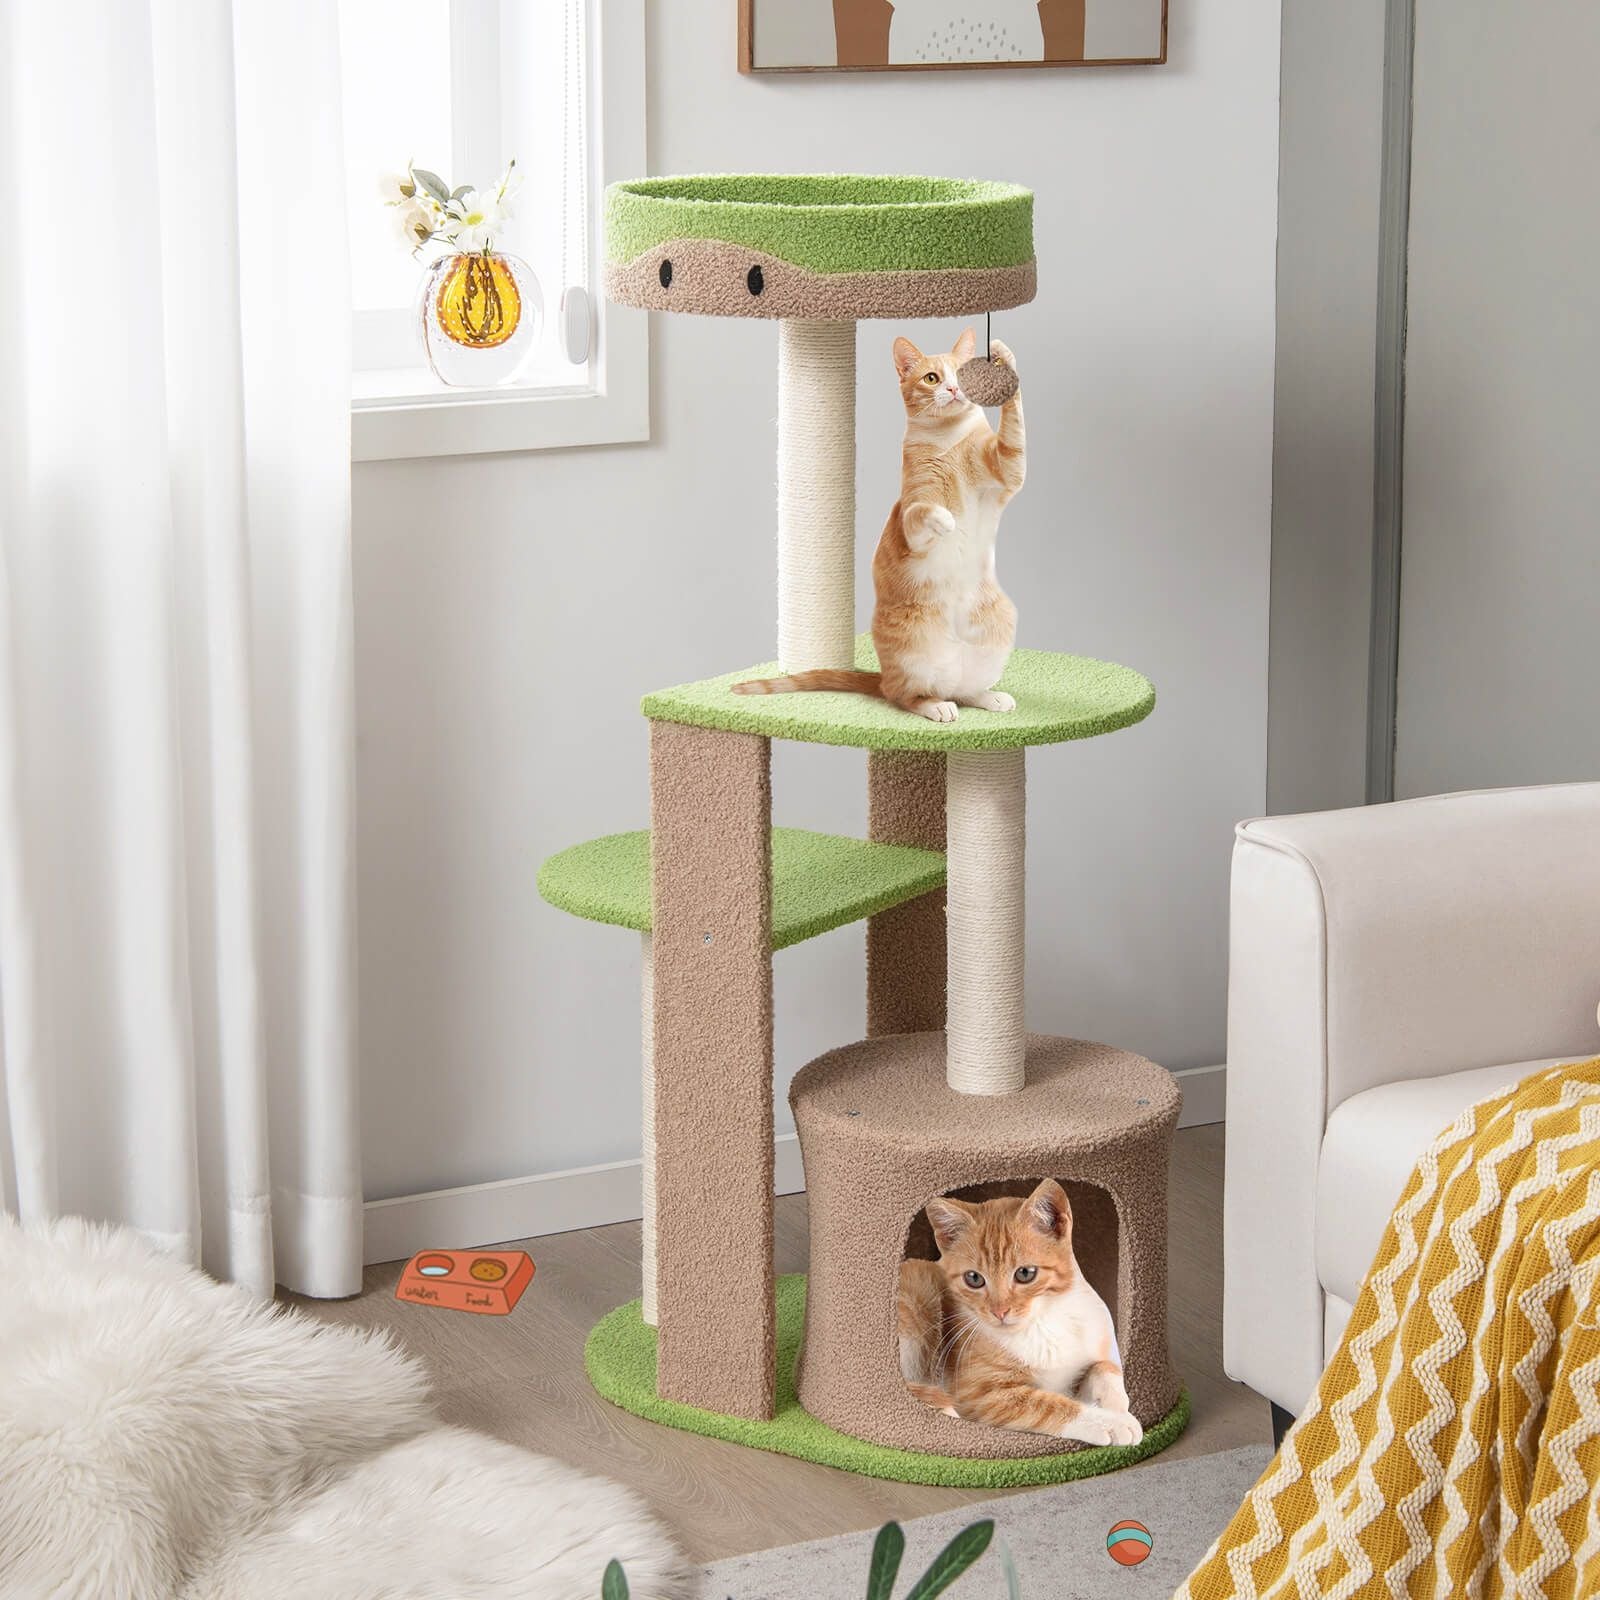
1499, 677
1330, 162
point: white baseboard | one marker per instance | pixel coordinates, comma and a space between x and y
525, 1208
592, 1197
1205, 1094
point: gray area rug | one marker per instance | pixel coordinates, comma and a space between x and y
1058, 1536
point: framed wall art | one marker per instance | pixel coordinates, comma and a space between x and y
932, 35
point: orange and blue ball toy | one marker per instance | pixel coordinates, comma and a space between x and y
1128, 1543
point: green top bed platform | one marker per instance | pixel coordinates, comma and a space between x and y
817, 245
1058, 697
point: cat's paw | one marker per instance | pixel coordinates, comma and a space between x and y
1125, 1428
1096, 1425
937, 710
938, 521
1092, 1425
993, 700
1002, 353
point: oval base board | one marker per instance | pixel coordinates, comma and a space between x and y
620, 1357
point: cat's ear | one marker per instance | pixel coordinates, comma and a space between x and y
949, 1219
906, 355
965, 348
1047, 1210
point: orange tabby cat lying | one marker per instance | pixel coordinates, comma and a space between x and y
943, 626
1003, 1328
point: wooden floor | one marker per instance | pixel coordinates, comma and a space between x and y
521, 1377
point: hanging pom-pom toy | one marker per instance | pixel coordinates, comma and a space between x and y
985, 381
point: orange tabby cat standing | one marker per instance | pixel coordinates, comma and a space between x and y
943, 627
1004, 1329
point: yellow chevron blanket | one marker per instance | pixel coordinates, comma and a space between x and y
1453, 1445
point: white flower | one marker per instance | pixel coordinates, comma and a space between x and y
395, 188
415, 223
505, 190
468, 222
478, 218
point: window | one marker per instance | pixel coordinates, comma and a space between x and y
461, 87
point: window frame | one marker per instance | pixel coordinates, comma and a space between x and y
613, 406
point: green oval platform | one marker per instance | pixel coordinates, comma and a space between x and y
1059, 697
822, 245
620, 1357
819, 880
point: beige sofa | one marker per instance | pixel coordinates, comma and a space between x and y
1389, 965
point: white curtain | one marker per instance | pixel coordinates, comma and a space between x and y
176, 918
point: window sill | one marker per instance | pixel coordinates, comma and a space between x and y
390, 421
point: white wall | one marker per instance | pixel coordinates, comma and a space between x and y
510, 610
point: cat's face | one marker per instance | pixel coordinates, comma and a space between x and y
1003, 1259
928, 384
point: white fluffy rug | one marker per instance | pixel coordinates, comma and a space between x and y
165, 1437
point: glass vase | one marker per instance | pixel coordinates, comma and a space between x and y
480, 313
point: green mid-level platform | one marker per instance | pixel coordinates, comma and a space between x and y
819, 880
1059, 697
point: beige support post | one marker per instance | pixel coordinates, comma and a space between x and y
985, 793
647, 1116
711, 928
816, 494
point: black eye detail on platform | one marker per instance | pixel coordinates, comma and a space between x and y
665, 274
1026, 1274
973, 1280
754, 280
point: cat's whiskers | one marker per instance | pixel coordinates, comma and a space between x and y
951, 1347
964, 1329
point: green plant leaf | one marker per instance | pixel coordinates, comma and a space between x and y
1008, 1565
432, 182
465, 188
887, 1549
614, 1586
953, 1560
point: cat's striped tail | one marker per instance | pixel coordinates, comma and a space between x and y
841, 680
930, 1394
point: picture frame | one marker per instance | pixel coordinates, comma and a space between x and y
948, 35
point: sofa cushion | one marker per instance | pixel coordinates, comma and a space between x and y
1371, 1143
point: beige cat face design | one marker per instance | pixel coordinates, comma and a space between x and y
718, 279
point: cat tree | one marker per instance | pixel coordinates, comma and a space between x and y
947, 1092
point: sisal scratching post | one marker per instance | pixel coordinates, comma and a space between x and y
816, 494
647, 1117
985, 803
906, 944
711, 929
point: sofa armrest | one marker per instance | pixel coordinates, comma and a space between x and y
1277, 1075
1372, 946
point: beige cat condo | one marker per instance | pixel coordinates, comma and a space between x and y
947, 1093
